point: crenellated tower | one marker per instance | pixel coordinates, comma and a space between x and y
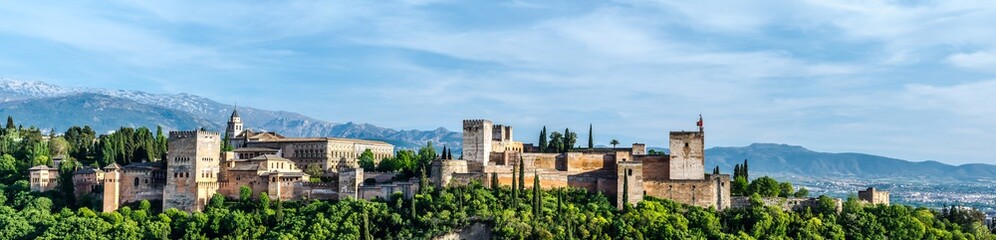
192, 169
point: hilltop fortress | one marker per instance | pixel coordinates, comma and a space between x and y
489, 152
267, 163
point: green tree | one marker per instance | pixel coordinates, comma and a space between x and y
366, 161
537, 196
570, 138
787, 190
556, 141
802, 193
739, 186
10, 123
614, 143
245, 194
315, 172
542, 140
591, 138
765, 186
522, 174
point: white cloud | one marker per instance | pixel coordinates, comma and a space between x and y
981, 60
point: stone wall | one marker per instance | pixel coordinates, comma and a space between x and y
138, 185
786, 204
713, 191
544, 161
443, 171
584, 162
687, 155
655, 167
349, 182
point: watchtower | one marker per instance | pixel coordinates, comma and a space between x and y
112, 187
687, 155
192, 169
477, 138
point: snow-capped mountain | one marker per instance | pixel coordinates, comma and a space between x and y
23, 100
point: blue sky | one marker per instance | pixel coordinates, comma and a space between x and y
906, 79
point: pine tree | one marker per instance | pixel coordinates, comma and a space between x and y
10, 123
542, 140
591, 140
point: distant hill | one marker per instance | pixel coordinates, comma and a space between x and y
50, 106
798, 162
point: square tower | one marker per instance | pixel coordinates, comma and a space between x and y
687, 155
477, 138
192, 169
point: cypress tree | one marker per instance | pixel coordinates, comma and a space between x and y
736, 171
515, 188
366, 226
716, 171
625, 196
537, 198
412, 207
542, 140
746, 172
10, 123
591, 140
423, 183
522, 175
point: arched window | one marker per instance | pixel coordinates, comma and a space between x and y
136, 182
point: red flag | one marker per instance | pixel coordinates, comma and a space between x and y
700, 121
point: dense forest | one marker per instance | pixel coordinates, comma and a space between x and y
509, 212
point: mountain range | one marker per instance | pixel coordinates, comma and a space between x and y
49, 106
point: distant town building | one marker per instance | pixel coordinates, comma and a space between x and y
874, 196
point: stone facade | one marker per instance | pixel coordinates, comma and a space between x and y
331, 154
192, 169
687, 155
874, 196
680, 177
43, 178
88, 181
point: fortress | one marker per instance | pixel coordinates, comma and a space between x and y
489, 152
196, 168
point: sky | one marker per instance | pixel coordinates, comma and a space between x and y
908, 79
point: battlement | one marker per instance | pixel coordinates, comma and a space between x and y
475, 122
192, 133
